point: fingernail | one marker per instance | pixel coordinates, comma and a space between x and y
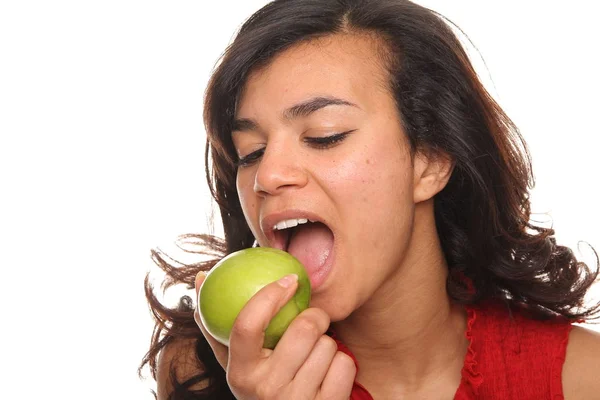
200, 276
288, 280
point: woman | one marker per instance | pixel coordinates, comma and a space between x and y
367, 119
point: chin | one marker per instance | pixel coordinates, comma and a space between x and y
336, 306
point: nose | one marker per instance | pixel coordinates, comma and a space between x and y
280, 169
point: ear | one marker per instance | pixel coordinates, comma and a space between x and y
431, 174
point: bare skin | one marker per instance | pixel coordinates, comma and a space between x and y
385, 295
422, 359
376, 198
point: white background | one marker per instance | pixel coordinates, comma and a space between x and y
101, 159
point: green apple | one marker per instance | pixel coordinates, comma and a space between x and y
236, 278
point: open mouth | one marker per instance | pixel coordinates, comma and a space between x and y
310, 242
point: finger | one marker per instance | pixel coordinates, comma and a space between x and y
200, 277
248, 331
298, 342
312, 373
339, 379
220, 351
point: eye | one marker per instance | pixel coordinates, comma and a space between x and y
318, 142
250, 158
326, 142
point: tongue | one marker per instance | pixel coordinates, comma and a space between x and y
311, 244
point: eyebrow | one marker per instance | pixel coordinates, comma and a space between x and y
299, 110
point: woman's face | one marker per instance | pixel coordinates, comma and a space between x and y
319, 138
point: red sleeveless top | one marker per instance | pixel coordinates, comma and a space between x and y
510, 356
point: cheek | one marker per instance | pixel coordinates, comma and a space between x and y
376, 177
373, 190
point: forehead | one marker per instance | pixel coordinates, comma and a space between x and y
342, 65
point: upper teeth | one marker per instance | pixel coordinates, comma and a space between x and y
290, 223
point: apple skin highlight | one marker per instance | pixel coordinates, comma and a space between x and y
236, 278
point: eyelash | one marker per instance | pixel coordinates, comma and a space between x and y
321, 143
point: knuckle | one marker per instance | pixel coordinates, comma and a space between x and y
345, 362
268, 390
307, 327
312, 321
320, 315
328, 344
329, 396
271, 293
264, 388
237, 381
242, 327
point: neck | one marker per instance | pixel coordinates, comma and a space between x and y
409, 332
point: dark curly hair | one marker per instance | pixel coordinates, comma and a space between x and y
482, 215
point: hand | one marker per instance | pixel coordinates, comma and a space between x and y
305, 364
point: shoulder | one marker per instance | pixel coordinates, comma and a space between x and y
178, 359
582, 364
